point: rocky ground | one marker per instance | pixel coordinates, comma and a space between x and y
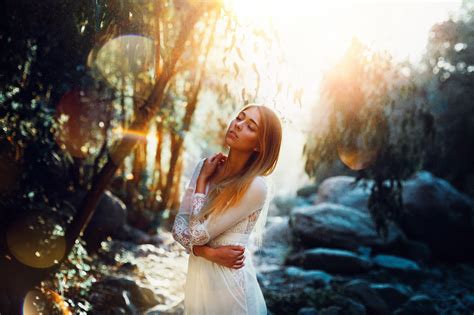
321, 255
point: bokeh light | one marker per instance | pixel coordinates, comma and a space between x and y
127, 63
38, 302
36, 241
356, 158
81, 118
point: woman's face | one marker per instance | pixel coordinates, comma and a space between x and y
242, 133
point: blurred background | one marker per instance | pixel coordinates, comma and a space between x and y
106, 107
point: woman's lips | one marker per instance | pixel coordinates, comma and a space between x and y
232, 133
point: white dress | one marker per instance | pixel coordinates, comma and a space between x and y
213, 289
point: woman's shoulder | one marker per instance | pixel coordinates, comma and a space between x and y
259, 185
257, 191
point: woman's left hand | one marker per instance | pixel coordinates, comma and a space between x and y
231, 256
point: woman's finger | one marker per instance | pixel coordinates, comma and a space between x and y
239, 266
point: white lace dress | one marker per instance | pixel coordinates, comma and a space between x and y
213, 289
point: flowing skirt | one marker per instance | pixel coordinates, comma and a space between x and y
212, 289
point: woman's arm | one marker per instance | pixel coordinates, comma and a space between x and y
189, 231
231, 256
202, 231
180, 228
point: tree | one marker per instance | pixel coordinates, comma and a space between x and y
45, 64
447, 75
372, 117
83, 84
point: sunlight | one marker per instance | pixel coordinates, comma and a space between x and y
314, 35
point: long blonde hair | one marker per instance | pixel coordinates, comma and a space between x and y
231, 190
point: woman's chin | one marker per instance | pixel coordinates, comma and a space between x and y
228, 142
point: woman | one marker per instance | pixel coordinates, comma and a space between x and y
221, 205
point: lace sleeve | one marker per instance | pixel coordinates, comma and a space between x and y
185, 230
189, 231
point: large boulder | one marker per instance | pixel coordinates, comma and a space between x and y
330, 260
435, 213
439, 215
282, 205
418, 304
122, 296
276, 242
109, 216
394, 294
361, 291
338, 226
343, 190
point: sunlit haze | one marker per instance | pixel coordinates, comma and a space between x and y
314, 34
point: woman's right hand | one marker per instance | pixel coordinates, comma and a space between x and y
210, 165
231, 256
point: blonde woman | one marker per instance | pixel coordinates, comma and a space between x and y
225, 200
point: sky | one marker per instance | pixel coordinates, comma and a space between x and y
314, 34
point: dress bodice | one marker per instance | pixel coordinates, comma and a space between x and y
239, 233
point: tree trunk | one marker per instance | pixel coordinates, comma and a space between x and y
143, 116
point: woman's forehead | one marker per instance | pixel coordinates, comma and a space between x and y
252, 113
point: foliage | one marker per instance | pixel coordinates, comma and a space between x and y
73, 281
447, 76
371, 116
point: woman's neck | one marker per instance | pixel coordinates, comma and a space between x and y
233, 164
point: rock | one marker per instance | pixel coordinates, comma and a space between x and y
395, 263
122, 293
277, 232
148, 249
109, 216
361, 291
316, 277
431, 205
158, 310
468, 300
282, 206
285, 292
337, 226
331, 310
439, 215
129, 233
394, 295
348, 305
307, 191
307, 311
275, 243
343, 190
418, 304
415, 250
330, 260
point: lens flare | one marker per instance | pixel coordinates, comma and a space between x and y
128, 62
118, 154
36, 241
356, 157
361, 151
81, 116
44, 301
